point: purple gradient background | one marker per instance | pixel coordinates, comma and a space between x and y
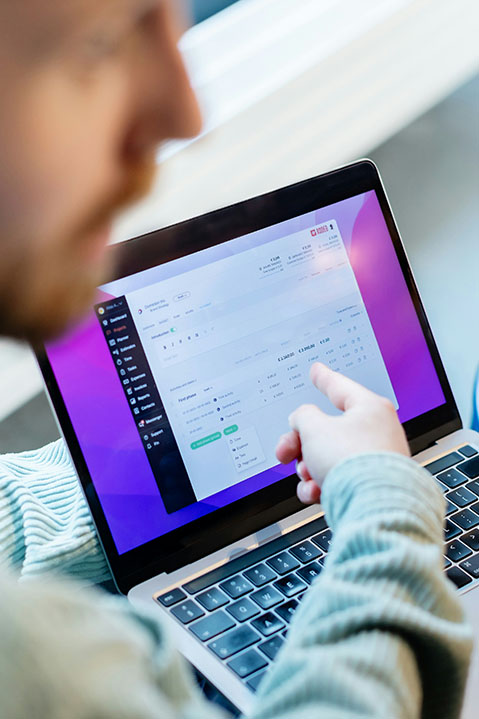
105, 427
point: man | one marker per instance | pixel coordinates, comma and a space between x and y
89, 88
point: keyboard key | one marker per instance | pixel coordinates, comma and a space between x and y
212, 599
243, 609
287, 610
247, 663
439, 465
187, 612
462, 497
272, 646
254, 556
260, 575
473, 486
310, 572
471, 566
212, 625
305, 552
267, 597
236, 586
268, 624
459, 577
450, 507
283, 563
450, 530
470, 468
468, 451
172, 597
452, 478
465, 519
456, 550
255, 681
234, 641
290, 585
472, 540
475, 507
447, 562
323, 540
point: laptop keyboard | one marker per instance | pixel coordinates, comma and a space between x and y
241, 610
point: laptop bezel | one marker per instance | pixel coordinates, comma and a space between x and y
225, 526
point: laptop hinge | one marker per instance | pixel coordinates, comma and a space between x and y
429, 439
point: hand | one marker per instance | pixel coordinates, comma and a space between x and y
318, 441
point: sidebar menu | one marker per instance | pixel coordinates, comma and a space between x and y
145, 403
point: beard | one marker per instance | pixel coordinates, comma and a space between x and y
48, 285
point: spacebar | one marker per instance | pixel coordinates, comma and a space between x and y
255, 555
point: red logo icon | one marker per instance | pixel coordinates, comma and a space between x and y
319, 230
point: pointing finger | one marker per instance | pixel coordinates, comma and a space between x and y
342, 391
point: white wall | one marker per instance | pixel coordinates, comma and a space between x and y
291, 88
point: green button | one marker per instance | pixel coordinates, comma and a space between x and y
230, 430
206, 440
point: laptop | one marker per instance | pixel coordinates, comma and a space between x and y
173, 391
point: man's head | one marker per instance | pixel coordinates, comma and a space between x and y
89, 89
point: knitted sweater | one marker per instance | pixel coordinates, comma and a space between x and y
379, 633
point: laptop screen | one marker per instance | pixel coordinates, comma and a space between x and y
180, 381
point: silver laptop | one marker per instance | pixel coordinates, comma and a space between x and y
173, 391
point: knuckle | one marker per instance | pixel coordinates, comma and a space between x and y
386, 405
305, 408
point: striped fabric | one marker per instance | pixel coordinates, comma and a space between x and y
45, 524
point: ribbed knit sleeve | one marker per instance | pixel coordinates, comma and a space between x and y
45, 524
380, 633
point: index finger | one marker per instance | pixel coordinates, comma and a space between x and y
343, 392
